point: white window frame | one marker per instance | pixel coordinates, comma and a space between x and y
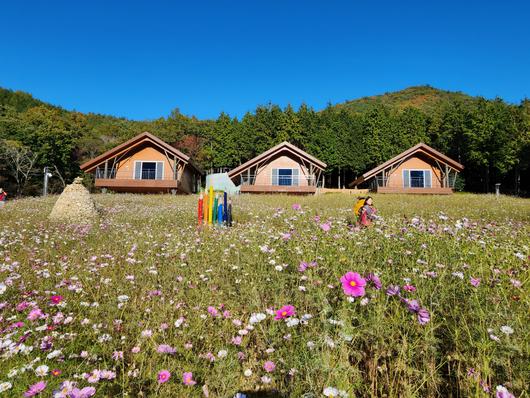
424, 170
156, 162
292, 174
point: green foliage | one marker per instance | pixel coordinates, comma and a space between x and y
489, 137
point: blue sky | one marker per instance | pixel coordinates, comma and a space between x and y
141, 59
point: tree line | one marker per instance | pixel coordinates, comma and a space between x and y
491, 138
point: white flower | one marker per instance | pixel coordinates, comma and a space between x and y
247, 372
123, 298
506, 330
292, 322
3, 288
266, 379
179, 322
222, 354
278, 268
5, 385
310, 345
256, 318
42, 370
54, 354
147, 333
331, 392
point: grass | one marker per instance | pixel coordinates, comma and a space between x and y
149, 249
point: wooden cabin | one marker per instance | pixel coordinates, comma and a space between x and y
420, 170
145, 163
284, 168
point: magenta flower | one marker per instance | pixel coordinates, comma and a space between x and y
86, 392
285, 312
297, 206
302, 266
409, 288
269, 366
412, 305
163, 376
474, 281
353, 284
35, 389
187, 379
56, 299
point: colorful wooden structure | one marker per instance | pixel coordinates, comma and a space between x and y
284, 168
145, 163
418, 170
214, 209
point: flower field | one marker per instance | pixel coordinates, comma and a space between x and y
432, 301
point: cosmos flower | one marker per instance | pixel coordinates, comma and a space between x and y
353, 284
86, 392
475, 282
56, 299
269, 366
163, 376
392, 290
35, 389
502, 392
375, 281
285, 312
423, 316
187, 379
296, 206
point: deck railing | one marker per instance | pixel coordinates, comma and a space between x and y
279, 180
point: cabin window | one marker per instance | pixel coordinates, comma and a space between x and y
416, 178
148, 170
285, 177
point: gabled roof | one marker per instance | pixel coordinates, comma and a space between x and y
419, 148
133, 142
284, 146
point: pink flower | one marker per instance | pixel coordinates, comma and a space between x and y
35, 313
35, 389
302, 266
163, 376
353, 284
56, 299
297, 206
117, 355
237, 340
86, 392
474, 281
269, 366
502, 392
409, 288
187, 379
325, 226
213, 311
285, 312
166, 349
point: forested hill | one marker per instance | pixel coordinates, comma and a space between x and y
490, 137
425, 98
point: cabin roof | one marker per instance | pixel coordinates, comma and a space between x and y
133, 142
284, 146
419, 148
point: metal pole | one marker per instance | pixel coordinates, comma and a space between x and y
45, 190
497, 189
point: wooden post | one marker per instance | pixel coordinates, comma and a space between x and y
174, 167
106, 168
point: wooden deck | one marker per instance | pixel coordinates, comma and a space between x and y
133, 185
295, 190
418, 191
